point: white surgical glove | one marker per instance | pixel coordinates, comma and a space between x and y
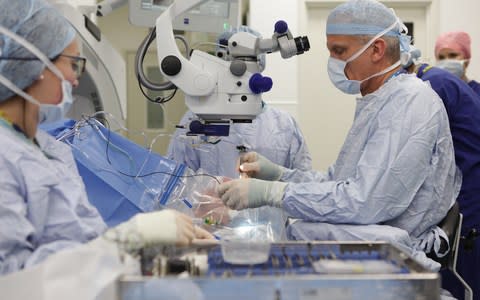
256, 166
202, 234
166, 227
249, 193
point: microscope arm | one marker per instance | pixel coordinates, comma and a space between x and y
188, 77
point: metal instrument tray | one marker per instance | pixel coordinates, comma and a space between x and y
294, 270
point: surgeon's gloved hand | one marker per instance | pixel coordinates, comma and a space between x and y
213, 212
167, 227
255, 165
249, 193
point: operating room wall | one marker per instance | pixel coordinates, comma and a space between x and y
262, 17
293, 77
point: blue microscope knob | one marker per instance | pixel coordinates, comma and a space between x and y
281, 27
260, 84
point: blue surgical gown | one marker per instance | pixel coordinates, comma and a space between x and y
463, 108
475, 86
396, 167
273, 133
43, 204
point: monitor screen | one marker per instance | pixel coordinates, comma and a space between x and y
208, 16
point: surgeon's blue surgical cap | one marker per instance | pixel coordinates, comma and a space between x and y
224, 36
361, 17
40, 24
367, 17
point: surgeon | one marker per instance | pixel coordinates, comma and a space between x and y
395, 176
43, 203
463, 109
453, 53
273, 133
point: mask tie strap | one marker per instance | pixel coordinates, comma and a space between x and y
379, 35
7, 83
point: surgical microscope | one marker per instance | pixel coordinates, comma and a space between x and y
220, 89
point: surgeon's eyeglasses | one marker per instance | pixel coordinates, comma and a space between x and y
78, 62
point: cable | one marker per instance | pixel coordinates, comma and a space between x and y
139, 57
142, 79
147, 174
185, 44
158, 99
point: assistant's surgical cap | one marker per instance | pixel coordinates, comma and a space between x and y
224, 36
458, 41
40, 24
362, 17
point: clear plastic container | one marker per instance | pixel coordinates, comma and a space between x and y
245, 252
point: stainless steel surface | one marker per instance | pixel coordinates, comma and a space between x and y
290, 276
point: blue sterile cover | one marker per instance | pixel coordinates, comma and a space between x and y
123, 178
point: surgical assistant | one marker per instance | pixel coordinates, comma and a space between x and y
273, 133
453, 53
43, 204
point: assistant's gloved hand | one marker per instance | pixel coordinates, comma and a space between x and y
166, 227
249, 193
256, 166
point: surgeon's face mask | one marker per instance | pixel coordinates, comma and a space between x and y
54, 112
454, 66
336, 68
48, 113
